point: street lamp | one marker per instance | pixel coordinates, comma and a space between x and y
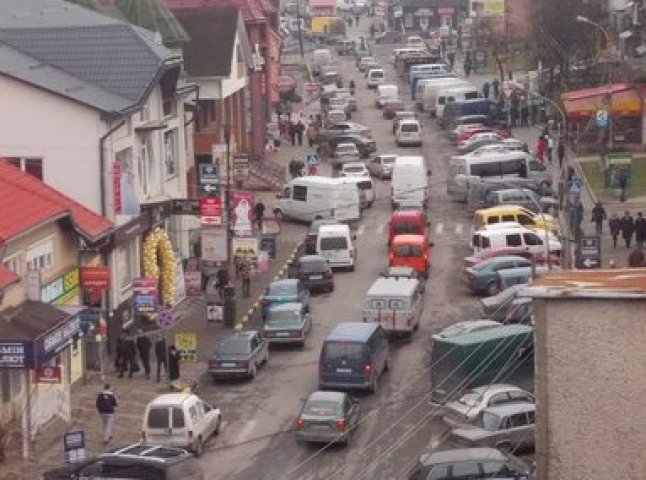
227, 193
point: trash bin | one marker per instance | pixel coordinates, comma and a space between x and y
229, 307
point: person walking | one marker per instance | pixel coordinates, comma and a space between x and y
106, 403
173, 363
300, 129
451, 57
259, 213
598, 217
560, 152
467, 66
627, 228
640, 229
636, 257
293, 168
221, 280
356, 20
577, 217
614, 224
496, 88
540, 150
485, 89
160, 356
311, 135
129, 357
245, 274
622, 181
292, 133
119, 351
143, 347
549, 143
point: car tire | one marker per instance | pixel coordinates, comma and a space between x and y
254, 371
492, 288
373, 384
266, 359
198, 447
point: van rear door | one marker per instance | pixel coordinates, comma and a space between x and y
345, 362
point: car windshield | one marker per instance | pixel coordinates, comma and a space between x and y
470, 399
322, 408
489, 421
279, 289
408, 251
340, 350
233, 347
310, 267
401, 228
410, 127
284, 316
346, 148
377, 74
334, 243
353, 169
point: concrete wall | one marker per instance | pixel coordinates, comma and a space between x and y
590, 371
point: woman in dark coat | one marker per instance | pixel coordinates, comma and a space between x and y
173, 363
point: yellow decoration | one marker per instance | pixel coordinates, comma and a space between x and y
158, 246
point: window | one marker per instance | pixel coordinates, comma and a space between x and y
514, 240
171, 153
178, 418
493, 219
40, 256
299, 193
498, 398
486, 243
168, 107
339, 350
408, 251
521, 397
465, 471
127, 263
378, 304
32, 166
525, 219
531, 239
14, 263
158, 418
396, 304
508, 218
192, 411
519, 420
440, 472
334, 243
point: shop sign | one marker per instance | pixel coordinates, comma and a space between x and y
208, 179
270, 226
398, 11
16, 354
74, 446
214, 244
48, 374
186, 345
58, 339
95, 278
243, 203
63, 289
211, 211
133, 228
268, 244
193, 281
241, 165
247, 248
445, 10
144, 295
423, 12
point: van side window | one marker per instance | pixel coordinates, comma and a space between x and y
441, 472
514, 240
192, 411
531, 239
508, 218
178, 418
395, 304
525, 219
299, 193
493, 219
486, 243
519, 420
466, 470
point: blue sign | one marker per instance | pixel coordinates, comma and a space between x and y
165, 319
74, 446
312, 159
18, 354
601, 118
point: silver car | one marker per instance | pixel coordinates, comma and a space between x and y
328, 417
345, 128
469, 406
344, 153
399, 116
506, 427
381, 166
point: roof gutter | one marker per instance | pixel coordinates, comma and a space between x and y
102, 163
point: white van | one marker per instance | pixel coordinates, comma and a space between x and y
425, 83
394, 303
512, 234
322, 57
466, 169
310, 198
409, 132
430, 92
409, 181
335, 244
376, 76
385, 93
180, 420
453, 94
366, 189
404, 50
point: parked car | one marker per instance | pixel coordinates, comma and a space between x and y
180, 420
474, 462
478, 140
406, 272
482, 278
315, 273
239, 354
509, 428
469, 406
328, 417
334, 116
467, 326
466, 135
409, 132
495, 306
346, 128
391, 107
364, 61
400, 116
345, 152
365, 145
354, 169
488, 253
381, 166
285, 291
287, 323
312, 234
370, 66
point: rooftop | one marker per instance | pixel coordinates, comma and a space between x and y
615, 283
252, 10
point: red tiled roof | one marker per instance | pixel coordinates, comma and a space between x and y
7, 277
26, 202
251, 10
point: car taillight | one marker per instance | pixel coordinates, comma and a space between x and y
367, 368
340, 425
299, 423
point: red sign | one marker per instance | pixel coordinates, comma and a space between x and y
116, 187
211, 211
48, 374
95, 278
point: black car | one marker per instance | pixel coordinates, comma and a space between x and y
313, 233
136, 461
315, 273
365, 145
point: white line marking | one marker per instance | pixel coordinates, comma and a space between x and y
381, 228
458, 229
245, 431
361, 229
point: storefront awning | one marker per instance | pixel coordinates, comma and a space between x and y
620, 98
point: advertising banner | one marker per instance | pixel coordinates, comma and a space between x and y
214, 244
186, 344
145, 297
242, 217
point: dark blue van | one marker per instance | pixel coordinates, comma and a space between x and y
476, 106
353, 356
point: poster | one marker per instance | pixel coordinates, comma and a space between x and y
268, 244
214, 313
242, 207
144, 295
214, 244
193, 282
186, 345
270, 226
493, 7
180, 285
247, 248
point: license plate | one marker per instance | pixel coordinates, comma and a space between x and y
344, 370
316, 277
282, 334
228, 365
320, 427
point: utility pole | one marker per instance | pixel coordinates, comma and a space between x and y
227, 192
300, 31
508, 47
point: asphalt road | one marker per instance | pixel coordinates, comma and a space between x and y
398, 424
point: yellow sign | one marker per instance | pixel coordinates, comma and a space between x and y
186, 345
494, 7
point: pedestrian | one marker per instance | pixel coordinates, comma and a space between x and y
259, 214
311, 135
614, 224
495, 84
245, 274
550, 148
451, 57
598, 216
119, 357
160, 355
467, 67
143, 347
106, 403
293, 168
356, 20
640, 229
560, 152
577, 216
540, 149
173, 363
300, 129
129, 357
524, 115
221, 280
350, 22
636, 257
622, 182
627, 228
292, 133
485, 89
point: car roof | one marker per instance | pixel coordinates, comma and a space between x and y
511, 408
408, 238
326, 396
347, 145
502, 209
353, 164
497, 333
494, 388
409, 120
391, 286
407, 213
357, 331
286, 307
243, 335
145, 453
312, 259
286, 281
502, 258
334, 228
466, 323
171, 399
460, 455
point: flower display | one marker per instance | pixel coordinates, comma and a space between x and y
159, 263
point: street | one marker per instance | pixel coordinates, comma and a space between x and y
397, 424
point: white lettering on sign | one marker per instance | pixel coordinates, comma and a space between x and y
12, 355
61, 335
